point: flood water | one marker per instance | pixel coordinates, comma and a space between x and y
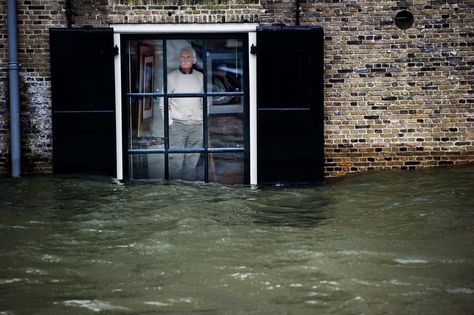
392, 242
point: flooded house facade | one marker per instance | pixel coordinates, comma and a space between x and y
286, 91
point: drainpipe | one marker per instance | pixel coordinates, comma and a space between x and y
69, 14
14, 89
297, 12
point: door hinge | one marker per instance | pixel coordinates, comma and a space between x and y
253, 49
116, 50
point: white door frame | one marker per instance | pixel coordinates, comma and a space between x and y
249, 28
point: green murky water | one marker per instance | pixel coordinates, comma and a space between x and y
377, 243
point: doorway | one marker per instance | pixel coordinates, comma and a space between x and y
211, 119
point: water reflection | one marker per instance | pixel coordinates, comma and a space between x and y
382, 242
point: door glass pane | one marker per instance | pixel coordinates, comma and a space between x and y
226, 168
185, 110
225, 74
186, 166
185, 136
146, 66
147, 166
185, 55
226, 130
146, 123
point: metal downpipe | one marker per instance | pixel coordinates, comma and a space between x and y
297, 13
14, 89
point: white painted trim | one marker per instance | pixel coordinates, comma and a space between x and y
118, 109
184, 28
253, 109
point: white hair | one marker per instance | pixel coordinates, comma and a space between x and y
188, 48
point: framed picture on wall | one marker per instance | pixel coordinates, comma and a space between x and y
147, 66
145, 85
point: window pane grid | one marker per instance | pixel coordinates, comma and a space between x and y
138, 95
207, 98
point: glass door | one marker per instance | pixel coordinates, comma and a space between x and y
186, 107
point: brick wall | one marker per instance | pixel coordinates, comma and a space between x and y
4, 113
184, 11
393, 98
34, 20
396, 98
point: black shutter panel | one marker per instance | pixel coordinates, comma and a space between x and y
290, 63
83, 100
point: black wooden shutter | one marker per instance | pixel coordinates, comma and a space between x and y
83, 100
290, 105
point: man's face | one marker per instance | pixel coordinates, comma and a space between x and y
186, 60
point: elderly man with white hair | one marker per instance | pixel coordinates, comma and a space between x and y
185, 115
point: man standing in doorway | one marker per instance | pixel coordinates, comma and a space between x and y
185, 116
